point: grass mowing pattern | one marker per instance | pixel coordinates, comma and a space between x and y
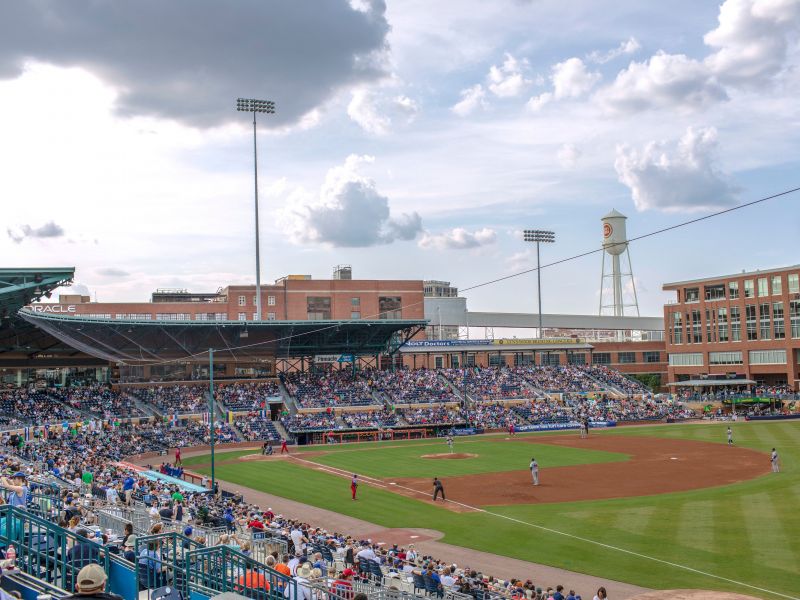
749, 532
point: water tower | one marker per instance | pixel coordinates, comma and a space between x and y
615, 244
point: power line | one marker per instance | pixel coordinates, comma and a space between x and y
518, 274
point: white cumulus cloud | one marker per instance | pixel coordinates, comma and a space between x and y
662, 81
571, 79
458, 239
676, 177
508, 80
752, 39
348, 211
472, 99
629, 46
364, 111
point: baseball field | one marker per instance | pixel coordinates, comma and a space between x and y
668, 506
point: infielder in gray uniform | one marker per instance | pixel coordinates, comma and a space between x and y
534, 466
773, 458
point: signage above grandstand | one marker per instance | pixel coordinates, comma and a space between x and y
537, 341
447, 343
52, 308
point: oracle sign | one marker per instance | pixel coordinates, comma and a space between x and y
53, 308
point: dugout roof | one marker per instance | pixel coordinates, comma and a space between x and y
151, 342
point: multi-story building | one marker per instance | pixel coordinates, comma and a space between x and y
736, 326
437, 330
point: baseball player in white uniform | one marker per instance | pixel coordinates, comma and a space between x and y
773, 458
534, 466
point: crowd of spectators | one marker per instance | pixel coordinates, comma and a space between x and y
247, 395
490, 384
181, 399
255, 427
433, 415
98, 399
335, 388
615, 379
369, 419
408, 386
23, 406
309, 422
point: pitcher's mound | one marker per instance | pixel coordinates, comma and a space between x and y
450, 455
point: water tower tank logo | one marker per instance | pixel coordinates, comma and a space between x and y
607, 230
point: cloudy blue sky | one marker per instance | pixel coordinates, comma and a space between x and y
413, 139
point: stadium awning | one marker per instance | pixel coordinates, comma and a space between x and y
18, 288
707, 382
153, 342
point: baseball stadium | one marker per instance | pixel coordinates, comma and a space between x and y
360, 440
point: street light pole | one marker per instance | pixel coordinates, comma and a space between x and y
256, 106
539, 236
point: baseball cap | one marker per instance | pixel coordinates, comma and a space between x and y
188, 531
348, 573
91, 578
20, 474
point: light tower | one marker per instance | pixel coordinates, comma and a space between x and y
615, 244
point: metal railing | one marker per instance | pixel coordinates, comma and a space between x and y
224, 569
160, 560
45, 550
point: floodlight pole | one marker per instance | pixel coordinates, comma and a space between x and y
256, 106
211, 413
538, 236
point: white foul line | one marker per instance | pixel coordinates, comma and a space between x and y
377, 482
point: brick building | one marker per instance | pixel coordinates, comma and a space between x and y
745, 326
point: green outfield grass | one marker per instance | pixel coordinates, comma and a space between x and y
747, 532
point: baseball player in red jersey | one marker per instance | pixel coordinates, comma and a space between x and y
354, 485
284, 447
178, 460
511, 429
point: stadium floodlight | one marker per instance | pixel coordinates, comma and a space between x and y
539, 236
256, 106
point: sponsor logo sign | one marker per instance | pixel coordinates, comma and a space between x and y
53, 308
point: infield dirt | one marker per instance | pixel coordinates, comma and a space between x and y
656, 466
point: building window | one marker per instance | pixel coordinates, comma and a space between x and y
652, 357
736, 324
134, 316
767, 357
355, 303
211, 317
270, 316
173, 317
715, 292
777, 285
626, 358
697, 332
794, 283
243, 316
270, 300
576, 359
691, 295
748, 288
724, 358
794, 318
242, 300
470, 361
687, 359
601, 358
778, 329
318, 308
750, 321
255, 301
763, 287
390, 307
522, 360
497, 360
255, 316
733, 290
677, 328
438, 362
722, 324
764, 316
711, 330
355, 314
549, 359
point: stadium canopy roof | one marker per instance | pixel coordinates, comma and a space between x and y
18, 288
153, 342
